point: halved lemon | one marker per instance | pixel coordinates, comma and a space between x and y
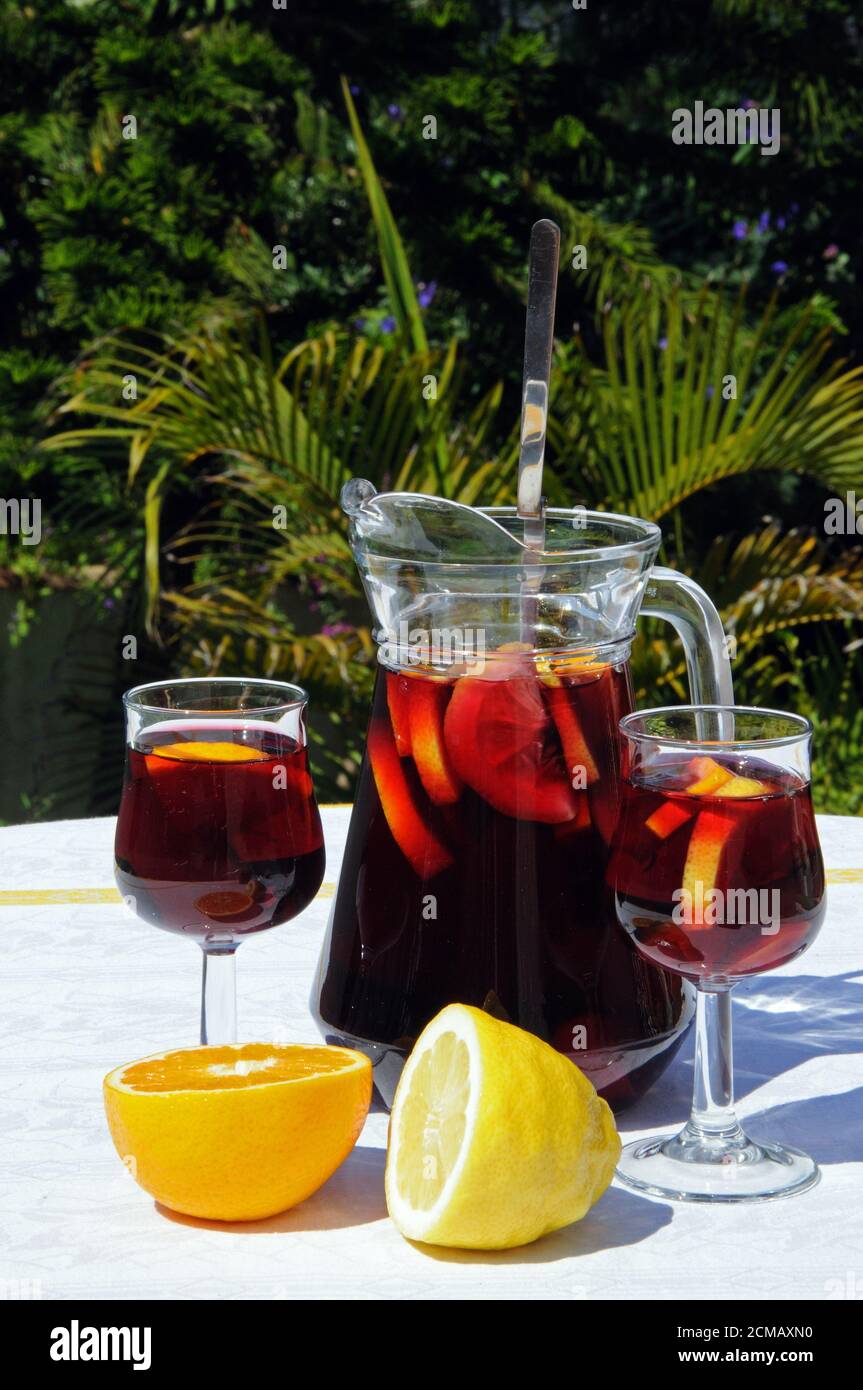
237, 1133
495, 1137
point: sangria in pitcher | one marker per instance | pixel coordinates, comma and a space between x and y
475, 864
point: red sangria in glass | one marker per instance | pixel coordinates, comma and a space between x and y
219, 834
717, 874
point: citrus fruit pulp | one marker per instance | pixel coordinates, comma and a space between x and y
237, 1133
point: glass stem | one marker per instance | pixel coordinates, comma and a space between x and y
219, 996
713, 1114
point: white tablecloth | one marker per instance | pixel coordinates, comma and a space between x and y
85, 986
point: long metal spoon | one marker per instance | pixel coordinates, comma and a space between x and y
538, 342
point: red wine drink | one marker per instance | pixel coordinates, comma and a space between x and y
475, 864
219, 835
717, 875
475, 871
219, 832
717, 867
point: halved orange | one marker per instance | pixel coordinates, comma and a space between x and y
237, 1133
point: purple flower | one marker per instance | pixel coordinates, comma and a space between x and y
355, 89
427, 293
779, 267
335, 629
763, 222
359, 325
747, 103
662, 344
739, 230
708, 392
388, 324
108, 603
780, 224
830, 251
394, 110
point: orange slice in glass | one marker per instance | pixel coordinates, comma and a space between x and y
202, 751
741, 786
225, 903
709, 776
667, 818
703, 857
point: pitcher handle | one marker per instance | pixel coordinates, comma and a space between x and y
697, 623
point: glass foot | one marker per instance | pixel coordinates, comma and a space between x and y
694, 1167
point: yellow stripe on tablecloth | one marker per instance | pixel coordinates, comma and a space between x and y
37, 897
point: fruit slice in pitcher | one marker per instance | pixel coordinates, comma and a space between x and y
424, 850
399, 708
582, 819
576, 753
500, 739
427, 703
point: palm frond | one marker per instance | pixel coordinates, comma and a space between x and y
669, 416
766, 585
335, 406
770, 582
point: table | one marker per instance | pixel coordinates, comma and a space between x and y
86, 987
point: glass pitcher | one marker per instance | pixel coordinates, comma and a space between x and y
474, 868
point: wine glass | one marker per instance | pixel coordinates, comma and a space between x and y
717, 874
219, 834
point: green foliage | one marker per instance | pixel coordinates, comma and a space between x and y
261, 386
682, 401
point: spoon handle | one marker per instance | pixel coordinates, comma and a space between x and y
538, 341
